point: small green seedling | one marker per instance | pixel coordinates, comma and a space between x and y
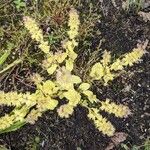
19, 4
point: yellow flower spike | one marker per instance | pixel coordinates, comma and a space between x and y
35, 31
6, 121
33, 116
112, 108
103, 71
133, 57
117, 65
73, 23
16, 115
71, 43
101, 123
12, 99
20, 114
108, 76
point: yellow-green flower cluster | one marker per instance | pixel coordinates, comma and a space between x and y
11, 98
65, 80
44, 100
15, 99
36, 33
33, 116
65, 85
70, 44
52, 62
133, 57
104, 71
73, 23
118, 110
102, 124
15, 116
6, 121
101, 70
128, 59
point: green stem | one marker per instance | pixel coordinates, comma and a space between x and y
11, 65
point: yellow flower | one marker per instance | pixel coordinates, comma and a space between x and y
11, 99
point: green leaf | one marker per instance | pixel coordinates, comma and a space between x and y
4, 57
134, 148
125, 146
19, 4
14, 127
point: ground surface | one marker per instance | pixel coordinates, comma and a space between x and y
121, 31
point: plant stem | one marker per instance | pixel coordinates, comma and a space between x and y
11, 65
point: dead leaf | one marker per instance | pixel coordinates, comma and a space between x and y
116, 140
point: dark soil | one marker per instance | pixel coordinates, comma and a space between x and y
121, 31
